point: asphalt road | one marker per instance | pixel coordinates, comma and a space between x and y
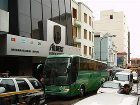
70, 101
66, 101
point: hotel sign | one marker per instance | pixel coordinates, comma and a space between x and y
23, 46
55, 49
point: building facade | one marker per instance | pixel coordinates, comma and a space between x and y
115, 24
82, 21
33, 30
135, 62
105, 49
134, 65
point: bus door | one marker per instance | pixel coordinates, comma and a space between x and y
74, 69
73, 73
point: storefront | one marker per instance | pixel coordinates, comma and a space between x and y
20, 55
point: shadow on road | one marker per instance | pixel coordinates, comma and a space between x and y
57, 100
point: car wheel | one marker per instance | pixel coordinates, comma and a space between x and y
82, 91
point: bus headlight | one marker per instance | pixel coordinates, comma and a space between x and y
66, 90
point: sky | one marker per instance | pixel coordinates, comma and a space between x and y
131, 10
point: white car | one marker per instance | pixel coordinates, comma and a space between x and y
18, 90
109, 87
110, 99
124, 78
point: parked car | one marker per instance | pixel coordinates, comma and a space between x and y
115, 70
110, 99
124, 77
109, 87
19, 90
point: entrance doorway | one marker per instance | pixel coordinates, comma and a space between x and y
9, 64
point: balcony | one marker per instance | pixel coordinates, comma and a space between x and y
76, 39
76, 22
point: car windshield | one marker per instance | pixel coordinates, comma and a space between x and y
121, 77
110, 85
56, 71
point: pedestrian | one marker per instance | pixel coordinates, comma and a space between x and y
110, 75
125, 90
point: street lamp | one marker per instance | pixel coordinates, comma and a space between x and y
101, 41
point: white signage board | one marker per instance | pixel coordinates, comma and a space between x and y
23, 46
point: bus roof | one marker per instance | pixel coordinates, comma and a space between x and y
72, 55
62, 55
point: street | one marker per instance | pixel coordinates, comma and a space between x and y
70, 101
66, 101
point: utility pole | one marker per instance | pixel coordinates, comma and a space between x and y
128, 47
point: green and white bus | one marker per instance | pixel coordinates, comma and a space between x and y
70, 75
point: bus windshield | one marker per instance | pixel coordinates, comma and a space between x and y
56, 71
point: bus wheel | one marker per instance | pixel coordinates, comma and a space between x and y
82, 91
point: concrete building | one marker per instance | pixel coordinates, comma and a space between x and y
30, 30
82, 21
134, 65
105, 49
135, 62
115, 24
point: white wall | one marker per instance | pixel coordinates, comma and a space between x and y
116, 26
81, 9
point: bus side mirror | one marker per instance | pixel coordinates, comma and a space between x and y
69, 66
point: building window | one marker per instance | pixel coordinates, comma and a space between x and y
89, 50
4, 5
37, 25
92, 51
85, 34
111, 16
62, 12
69, 39
55, 11
85, 50
74, 31
138, 61
74, 13
90, 36
85, 17
89, 20
79, 45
